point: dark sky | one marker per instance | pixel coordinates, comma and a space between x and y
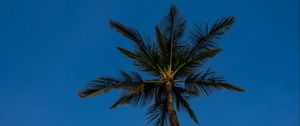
49, 49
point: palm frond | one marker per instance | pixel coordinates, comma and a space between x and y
144, 52
204, 37
203, 46
100, 85
172, 26
142, 62
158, 114
104, 84
128, 32
189, 63
181, 102
141, 94
163, 48
133, 35
205, 82
169, 33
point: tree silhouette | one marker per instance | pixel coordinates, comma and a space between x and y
173, 62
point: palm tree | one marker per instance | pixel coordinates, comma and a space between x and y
173, 62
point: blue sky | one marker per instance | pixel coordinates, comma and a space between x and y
50, 49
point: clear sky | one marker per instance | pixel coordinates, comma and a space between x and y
49, 49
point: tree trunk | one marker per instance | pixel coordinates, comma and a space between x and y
170, 103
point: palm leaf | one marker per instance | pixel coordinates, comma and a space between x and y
181, 102
190, 63
105, 84
100, 85
206, 82
169, 33
141, 94
203, 46
204, 37
158, 114
145, 52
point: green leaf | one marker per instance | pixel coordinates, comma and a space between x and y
206, 82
